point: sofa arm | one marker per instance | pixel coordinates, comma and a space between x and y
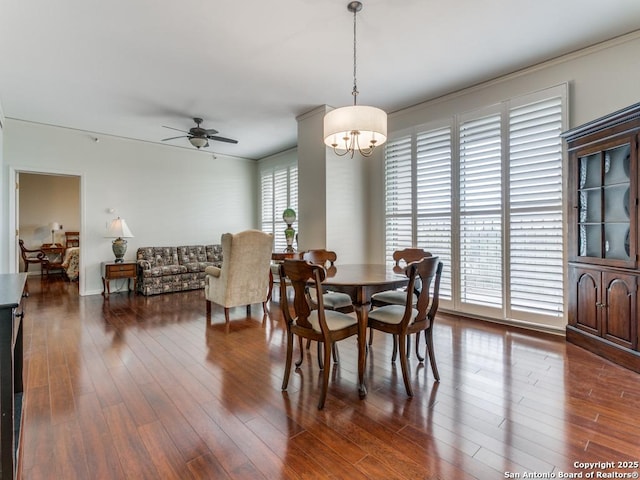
213, 271
144, 264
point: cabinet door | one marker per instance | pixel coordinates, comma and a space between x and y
619, 302
584, 298
603, 219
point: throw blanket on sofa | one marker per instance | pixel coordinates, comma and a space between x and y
71, 263
174, 269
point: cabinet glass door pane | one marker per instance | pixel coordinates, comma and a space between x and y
616, 204
616, 244
616, 165
590, 171
590, 241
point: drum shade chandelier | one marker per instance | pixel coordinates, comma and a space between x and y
357, 127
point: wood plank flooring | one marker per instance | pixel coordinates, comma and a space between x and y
144, 388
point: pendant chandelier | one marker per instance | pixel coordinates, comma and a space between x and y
357, 127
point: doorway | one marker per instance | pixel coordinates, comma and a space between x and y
47, 206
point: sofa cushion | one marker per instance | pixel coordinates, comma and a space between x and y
214, 254
191, 254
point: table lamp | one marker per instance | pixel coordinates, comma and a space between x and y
118, 228
289, 216
54, 226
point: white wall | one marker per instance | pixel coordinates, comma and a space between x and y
168, 195
601, 79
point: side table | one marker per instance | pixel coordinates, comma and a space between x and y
114, 270
277, 258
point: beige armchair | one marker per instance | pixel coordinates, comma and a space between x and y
243, 278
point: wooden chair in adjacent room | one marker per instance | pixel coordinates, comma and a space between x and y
72, 239
32, 256
410, 318
319, 324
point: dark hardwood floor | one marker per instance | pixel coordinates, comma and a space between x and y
143, 388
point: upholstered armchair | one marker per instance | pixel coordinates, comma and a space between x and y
243, 278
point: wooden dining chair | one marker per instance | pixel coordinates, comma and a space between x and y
399, 297
338, 301
315, 324
404, 320
332, 300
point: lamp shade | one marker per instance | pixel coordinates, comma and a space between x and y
199, 142
369, 123
118, 229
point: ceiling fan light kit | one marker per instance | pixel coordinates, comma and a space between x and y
357, 127
199, 137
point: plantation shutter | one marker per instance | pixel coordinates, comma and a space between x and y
433, 202
480, 211
398, 197
279, 190
535, 198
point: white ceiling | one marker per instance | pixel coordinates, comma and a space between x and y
249, 67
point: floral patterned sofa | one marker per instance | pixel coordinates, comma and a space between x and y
174, 269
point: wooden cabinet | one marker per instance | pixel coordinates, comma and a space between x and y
603, 236
12, 292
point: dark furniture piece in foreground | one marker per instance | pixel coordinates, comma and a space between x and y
12, 292
603, 236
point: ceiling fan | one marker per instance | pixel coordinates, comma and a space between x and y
199, 137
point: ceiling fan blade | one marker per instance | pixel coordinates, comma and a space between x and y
211, 131
183, 131
173, 138
221, 139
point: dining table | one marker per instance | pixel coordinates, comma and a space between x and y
361, 281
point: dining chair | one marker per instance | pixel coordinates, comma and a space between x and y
404, 320
340, 302
316, 324
399, 297
332, 300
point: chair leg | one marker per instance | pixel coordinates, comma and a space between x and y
287, 367
264, 308
395, 349
248, 310
336, 354
320, 361
428, 334
404, 363
299, 362
308, 343
325, 374
226, 314
208, 308
420, 357
371, 336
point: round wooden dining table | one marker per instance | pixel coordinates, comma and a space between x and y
361, 281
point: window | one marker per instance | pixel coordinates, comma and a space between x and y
483, 191
279, 187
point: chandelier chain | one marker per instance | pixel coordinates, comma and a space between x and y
355, 84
